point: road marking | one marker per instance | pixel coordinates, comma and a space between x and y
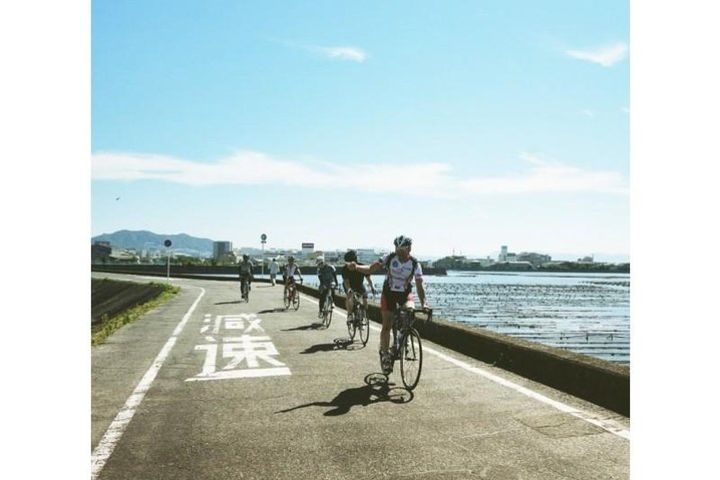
116, 429
607, 425
241, 354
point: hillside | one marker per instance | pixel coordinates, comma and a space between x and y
145, 240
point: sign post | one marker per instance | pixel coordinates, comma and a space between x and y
263, 240
167, 244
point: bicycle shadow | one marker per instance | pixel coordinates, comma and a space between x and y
370, 393
337, 344
312, 326
271, 310
230, 303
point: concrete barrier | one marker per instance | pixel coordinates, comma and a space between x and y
597, 381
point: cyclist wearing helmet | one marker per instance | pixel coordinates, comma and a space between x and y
245, 269
353, 281
402, 269
328, 280
291, 269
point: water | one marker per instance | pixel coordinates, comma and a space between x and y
587, 313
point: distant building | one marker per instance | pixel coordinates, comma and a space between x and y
308, 248
221, 249
100, 252
536, 259
503, 254
587, 259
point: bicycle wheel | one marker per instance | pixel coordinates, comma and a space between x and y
411, 359
352, 327
363, 324
327, 313
296, 299
286, 299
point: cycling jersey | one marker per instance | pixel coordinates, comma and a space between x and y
355, 279
245, 269
399, 272
327, 275
291, 270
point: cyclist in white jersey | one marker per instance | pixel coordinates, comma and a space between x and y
402, 270
291, 269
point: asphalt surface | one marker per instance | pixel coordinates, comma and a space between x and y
251, 391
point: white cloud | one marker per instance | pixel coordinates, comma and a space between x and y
420, 179
606, 56
588, 113
354, 54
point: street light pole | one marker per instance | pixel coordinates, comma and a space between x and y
167, 244
263, 239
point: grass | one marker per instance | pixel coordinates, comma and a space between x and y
108, 325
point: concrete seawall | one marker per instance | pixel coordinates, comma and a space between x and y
594, 380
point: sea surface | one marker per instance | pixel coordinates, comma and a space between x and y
587, 313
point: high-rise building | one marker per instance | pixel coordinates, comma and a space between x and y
503, 254
307, 249
221, 249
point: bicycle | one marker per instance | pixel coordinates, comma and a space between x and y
406, 345
359, 320
328, 306
245, 289
292, 297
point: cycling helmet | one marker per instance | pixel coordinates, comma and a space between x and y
351, 256
319, 261
403, 242
291, 259
245, 257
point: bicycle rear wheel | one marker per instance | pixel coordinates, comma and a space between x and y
363, 324
411, 359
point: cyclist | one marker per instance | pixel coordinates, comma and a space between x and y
402, 269
353, 282
274, 269
328, 280
291, 269
245, 269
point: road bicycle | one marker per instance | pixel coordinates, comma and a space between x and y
358, 321
245, 289
406, 345
292, 297
328, 305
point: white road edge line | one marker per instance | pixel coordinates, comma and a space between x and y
607, 425
116, 429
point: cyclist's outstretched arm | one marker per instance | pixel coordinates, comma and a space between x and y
369, 269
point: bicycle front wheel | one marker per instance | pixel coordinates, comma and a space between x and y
352, 327
296, 300
363, 325
287, 300
411, 359
327, 315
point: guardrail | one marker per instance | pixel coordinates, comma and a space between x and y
597, 381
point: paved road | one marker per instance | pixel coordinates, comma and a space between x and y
205, 387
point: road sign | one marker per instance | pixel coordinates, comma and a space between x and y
263, 237
167, 243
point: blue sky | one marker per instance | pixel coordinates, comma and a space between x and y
465, 125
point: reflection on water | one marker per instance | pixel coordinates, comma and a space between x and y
586, 313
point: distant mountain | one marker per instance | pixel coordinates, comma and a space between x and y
144, 240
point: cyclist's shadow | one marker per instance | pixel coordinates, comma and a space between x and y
374, 391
